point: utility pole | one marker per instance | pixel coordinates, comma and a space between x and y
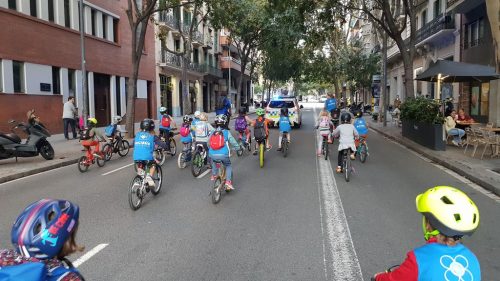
85, 110
385, 98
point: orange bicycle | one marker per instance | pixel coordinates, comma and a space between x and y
90, 157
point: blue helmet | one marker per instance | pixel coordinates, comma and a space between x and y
43, 227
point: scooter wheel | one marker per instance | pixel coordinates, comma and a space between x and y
47, 151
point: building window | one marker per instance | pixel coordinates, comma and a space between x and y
93, 21
71, 82
51, 10
12, 5
33, 8
196, 56
118, 97
177, 45
474, 33
437, 8
115, 30
104, 27
67, 19
424, 18
18, 73
479, 102
56, 80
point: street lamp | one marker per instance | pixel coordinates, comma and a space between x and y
85, 110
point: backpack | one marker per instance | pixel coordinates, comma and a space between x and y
85, 135
185, 130
110, 130
217, 140
240, 124
165, 121
259, 131
220, 102
29, 271
324, 124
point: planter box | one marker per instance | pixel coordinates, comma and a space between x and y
429, 135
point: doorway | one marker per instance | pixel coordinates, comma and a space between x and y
205, 98
181, 99
102, 99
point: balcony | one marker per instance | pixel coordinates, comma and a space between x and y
451, 3
209, 42
169, 20
196, 67
197, 39
213, 71
169, 59
435, 31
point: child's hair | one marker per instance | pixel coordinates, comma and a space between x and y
203, 116
70, 245
323, 113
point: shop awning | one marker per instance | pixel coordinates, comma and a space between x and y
452, 71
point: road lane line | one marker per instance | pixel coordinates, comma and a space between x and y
116, 170
343, 258
89, 254
204, 174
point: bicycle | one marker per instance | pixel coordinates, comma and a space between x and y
160, 153
244, 144
325, 147
346, 164
198, 160
219, 182
90, 158
171, 141
362, 150
262, 149
284, 144
185, 155
139, 186
117, 145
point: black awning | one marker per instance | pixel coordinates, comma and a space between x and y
452, 71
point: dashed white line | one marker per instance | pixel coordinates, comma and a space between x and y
204, 174
89, 254
116, 170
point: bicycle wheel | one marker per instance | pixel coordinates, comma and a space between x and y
101, 160
83, 165
239, 152
197, 164
249, 145
123, 148
107, 150
284, 147
173, 147
159, 155
262, 149
325, 143
362, 153
181, 160
217, 190
135, 195
158, 179
347, 167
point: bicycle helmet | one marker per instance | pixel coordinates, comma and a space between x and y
260, 112
284, 111
220, 120
91, 122
197, 114
187, 119
345, 118
163, 110
43, 227
449, 211
242, 110
147, 125
117, 119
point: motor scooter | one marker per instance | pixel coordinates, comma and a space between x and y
37, 143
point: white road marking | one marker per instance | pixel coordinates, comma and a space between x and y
89, 254
34, 175
204, 174
342, 255
116, 170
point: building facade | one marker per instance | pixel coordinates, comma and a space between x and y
40, 60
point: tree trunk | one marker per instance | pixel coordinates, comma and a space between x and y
408, 67
185, 86
492, 8
240, 86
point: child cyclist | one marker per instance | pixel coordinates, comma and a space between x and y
187, 134
323, 124
202, 130
241, 125
448, 215
219, 149
43, 236
261, 128
285, 126
92, 135
166, 124
346, 133
361, 126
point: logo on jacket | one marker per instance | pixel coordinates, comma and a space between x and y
456, 268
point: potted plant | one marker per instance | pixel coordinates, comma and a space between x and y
422, 122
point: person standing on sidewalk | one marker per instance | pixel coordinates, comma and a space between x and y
69, 113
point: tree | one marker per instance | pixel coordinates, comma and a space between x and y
493, 8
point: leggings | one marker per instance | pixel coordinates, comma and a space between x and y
320, 141
341, 153
281, 137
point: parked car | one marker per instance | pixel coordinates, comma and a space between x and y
294, 110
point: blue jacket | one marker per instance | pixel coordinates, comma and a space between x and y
331, 104
225, 109
360, 125
284, 124
229, 139
144, 145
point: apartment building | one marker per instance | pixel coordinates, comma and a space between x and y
40, 60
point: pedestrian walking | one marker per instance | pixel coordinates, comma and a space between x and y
69, 114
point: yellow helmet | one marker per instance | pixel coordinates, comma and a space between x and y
449, 211
92, 121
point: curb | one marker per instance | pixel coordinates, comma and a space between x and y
37, 170
463, 172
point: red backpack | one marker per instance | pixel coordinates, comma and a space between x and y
217, 140
165, 121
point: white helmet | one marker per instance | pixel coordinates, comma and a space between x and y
117, 119
197, 114
163, 110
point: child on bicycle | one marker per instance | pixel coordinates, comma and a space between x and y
285, 126
448, 215
241, 125
111, 129
323, 124
91, 137
166, 125
261, 128
346, 133
43, 236
219, 149
361, 126
202, 130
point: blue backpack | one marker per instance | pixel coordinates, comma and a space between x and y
33, 271
110, 130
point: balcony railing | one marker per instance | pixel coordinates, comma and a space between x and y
169, 19
197, 36
170, 59
212, 71
196, 67
209, 41
441, 22
451, 3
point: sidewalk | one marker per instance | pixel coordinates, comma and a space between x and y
66, 153
476, 170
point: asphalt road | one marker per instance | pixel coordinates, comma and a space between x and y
280, 224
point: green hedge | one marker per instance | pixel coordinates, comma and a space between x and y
422, 110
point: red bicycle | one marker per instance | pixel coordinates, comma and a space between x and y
90, 157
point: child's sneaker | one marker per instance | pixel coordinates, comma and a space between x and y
213, 178
353, 156
150, 181
229, 186
339, 169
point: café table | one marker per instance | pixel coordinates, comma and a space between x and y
465, 124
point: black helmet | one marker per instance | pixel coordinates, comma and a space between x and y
345, 118
187, 119
220, 120
284, 111
242, 110
147, 125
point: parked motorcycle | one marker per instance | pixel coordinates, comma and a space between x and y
37, 143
